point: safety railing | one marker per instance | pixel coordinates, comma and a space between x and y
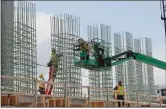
102, 95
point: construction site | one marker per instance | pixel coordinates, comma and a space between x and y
130, 58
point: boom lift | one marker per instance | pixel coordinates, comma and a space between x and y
103, 62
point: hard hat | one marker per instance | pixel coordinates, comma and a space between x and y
80, 40
41, 75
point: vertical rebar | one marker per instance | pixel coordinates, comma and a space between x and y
21, 52
149, 99
107, 90
65, 94
7, 45
137, 99
65, 33
100, 78
36, 92
89, 96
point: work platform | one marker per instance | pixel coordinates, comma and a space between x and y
90, 64
108, 62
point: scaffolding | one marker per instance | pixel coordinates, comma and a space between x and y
99, 79
107, 77
22, 33
65, 31
94, 76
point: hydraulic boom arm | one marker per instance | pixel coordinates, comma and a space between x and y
138, 57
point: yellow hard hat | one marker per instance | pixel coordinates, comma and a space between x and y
41, 75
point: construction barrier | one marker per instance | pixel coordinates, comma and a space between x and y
4, 100
13, 100
36, 100
40, 105
58, 102
97, 104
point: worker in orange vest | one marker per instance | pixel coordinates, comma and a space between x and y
41, 85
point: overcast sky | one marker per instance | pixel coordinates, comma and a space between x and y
142, 18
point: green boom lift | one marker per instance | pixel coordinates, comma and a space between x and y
103, 62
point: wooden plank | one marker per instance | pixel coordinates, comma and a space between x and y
25, 104
4, 100
59, 102
40, 104
13, 100
16, 100
97, 103
101, 104
51, 103
94, 104
76, 106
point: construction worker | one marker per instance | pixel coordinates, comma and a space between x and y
84, 47
99, 52
54, 62
41, 85
99, 49
120, 93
